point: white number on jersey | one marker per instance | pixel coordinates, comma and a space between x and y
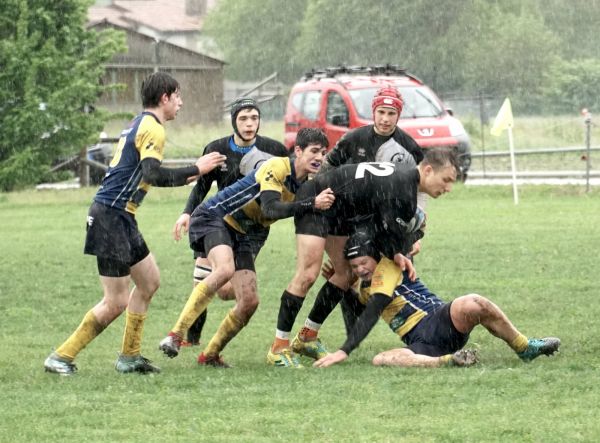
382, 169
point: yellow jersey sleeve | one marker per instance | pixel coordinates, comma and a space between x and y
150, 139
386, 277
272, 174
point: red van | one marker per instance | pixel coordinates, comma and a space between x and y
339, 99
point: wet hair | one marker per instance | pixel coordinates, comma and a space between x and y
311, 136
439, 158
359, 245
154, 86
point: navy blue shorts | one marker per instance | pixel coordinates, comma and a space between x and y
114, 238
207, 231
435, 335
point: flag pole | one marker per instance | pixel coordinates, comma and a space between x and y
513, 167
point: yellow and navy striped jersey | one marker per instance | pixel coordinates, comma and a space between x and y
237, 203
411, 301
123, 186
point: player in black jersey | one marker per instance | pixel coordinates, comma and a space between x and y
244, 150
381, 141
434, 332
387, 194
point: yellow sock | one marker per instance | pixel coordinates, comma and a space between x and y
88, 330
196, 304
132, 337
446, 359
229, 328
519, 344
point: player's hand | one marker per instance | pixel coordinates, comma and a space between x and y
406, 265
331, 359
416, 248
181, 225
327, 270
325, 199
208, 162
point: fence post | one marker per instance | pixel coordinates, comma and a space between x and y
588, 142
84, 169
483, 122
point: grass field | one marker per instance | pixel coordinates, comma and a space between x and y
538, 261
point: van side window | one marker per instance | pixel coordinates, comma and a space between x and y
297, 100
337, 111
311, 106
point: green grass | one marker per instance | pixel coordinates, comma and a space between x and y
537, 260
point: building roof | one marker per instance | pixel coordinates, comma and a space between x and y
164, 16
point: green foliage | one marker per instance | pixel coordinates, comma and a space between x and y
573, 85
496, 47
256, 36
537, 261
50, 76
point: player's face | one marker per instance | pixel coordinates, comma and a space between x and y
363, 267
385, 120
309, 159
437, 182
247, 122
173, 104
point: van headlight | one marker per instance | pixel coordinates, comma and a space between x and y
456, 128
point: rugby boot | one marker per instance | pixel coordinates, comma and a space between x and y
313, 349
283, 359
170, 345
137, 363
464, 357
215, 361
539, 346
58, 365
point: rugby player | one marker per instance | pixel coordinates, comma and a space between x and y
434, 332
387, 193
245, 150
112, 232
219, 229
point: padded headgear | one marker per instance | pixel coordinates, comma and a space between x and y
388, 96
237, 106
359, 245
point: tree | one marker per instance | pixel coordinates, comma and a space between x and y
50, 70
256, 36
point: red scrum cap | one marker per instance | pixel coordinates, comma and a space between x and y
388, 96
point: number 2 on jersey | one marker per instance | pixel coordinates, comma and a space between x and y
380, 169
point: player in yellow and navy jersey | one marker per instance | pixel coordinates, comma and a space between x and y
112, 232
219, 229
434, 332
245, 150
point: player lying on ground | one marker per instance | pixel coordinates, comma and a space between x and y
434, 332
219, 229
397, 221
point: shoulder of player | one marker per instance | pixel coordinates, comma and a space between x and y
219, 145
271, 146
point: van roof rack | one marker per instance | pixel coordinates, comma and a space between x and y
334, 71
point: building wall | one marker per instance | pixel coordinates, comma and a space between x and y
201, 78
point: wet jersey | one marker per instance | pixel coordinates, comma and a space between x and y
410, 301
239, 204
385, 191
365, 145
230, 171
123, 186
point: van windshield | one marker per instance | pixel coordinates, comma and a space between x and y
418, 102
